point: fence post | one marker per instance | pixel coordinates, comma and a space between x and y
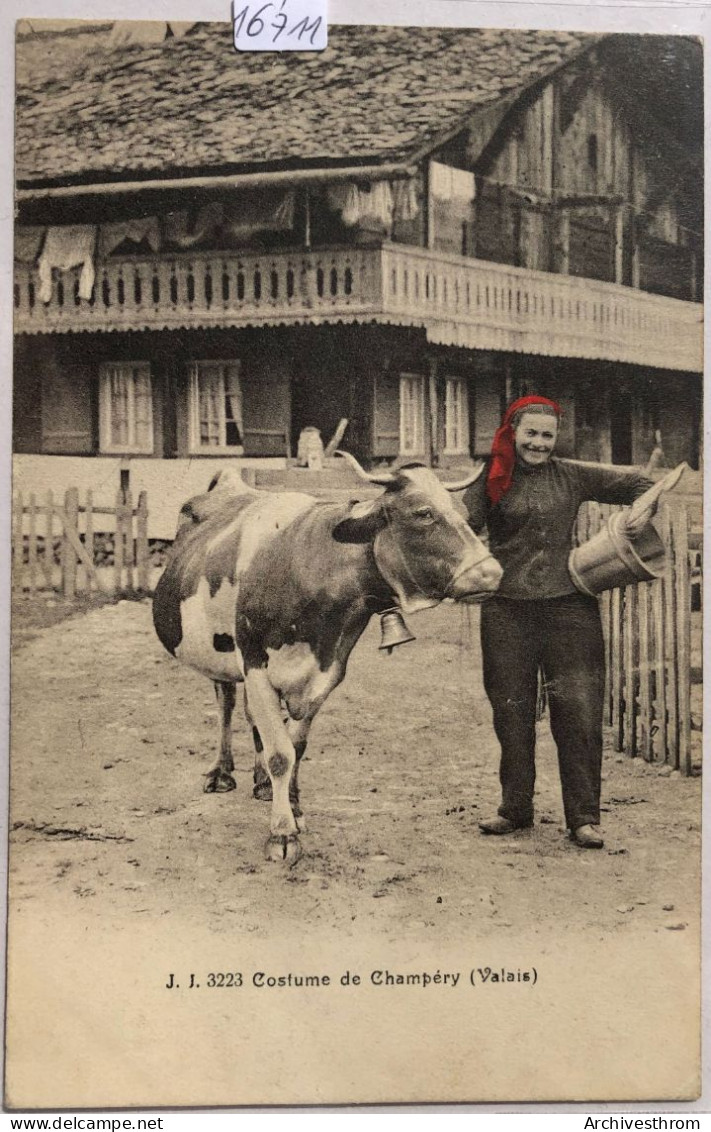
671, 753
17, 541
682, 580
142, 541
128, 538
89, 534
49, 541
646, 739
69, 557
119, 542
617, 667
660, 676
630, 654
32, 547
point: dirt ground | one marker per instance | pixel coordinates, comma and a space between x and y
111, 737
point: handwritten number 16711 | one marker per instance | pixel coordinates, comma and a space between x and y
257, 24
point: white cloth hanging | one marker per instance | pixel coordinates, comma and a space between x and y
345, 199
179, 230
366, 206
28, 241
447, 183
71, 245
406, 205
142, 228
377, 205
255, 211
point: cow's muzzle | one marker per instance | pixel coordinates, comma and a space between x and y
476, 581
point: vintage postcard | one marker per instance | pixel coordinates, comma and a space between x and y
356, 533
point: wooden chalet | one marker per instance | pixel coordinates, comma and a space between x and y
215, 250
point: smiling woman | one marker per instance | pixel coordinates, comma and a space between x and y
538, 619
535, 434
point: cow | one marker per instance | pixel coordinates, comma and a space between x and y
273, 590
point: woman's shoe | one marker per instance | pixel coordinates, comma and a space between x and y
501, 825
586, 837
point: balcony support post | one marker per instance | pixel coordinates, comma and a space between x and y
636, 266
561, 241
617, 235
431, 409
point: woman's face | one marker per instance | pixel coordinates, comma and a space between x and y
535, 436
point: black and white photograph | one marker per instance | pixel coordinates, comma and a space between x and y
356, 676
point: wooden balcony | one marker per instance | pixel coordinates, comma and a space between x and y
463, 302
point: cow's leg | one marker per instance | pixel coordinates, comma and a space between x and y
298, 732
280, 758
262, 789
219, 777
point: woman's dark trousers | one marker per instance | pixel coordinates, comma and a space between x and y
564, 636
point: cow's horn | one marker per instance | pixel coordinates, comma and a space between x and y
471, 478
384, 478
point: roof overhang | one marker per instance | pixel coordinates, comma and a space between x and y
258, 180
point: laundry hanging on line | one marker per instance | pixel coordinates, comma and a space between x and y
112, 235
447, 183
345, 199
28, 241
370, 206
259, 211
406, 204
184, 229
65, 247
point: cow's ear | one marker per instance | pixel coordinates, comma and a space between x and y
363, 523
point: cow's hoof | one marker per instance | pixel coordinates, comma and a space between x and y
219, 782
262, 791
284, 850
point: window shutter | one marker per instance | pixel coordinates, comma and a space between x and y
66, 411
487, 412
266, 408
386, 415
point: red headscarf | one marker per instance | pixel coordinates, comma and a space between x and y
503, 451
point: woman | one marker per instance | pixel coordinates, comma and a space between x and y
529, 502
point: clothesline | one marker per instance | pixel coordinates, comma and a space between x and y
377, 205
63, 247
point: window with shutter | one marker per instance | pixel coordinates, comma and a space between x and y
412, 414
456, 417
216, 423
126, 408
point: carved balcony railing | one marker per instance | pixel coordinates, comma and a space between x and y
492, 306
459, 301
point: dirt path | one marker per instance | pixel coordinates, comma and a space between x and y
111, 737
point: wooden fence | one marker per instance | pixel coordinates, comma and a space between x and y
56, 545
647, 627
648, 644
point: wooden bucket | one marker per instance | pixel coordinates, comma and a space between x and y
611, 559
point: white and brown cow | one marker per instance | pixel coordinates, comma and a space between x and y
274, 590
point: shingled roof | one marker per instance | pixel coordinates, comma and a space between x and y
90, 111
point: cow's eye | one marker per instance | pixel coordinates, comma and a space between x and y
424, 513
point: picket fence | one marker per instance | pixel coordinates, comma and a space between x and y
56, 545
647, 629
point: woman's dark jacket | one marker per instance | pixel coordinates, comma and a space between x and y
531, 527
